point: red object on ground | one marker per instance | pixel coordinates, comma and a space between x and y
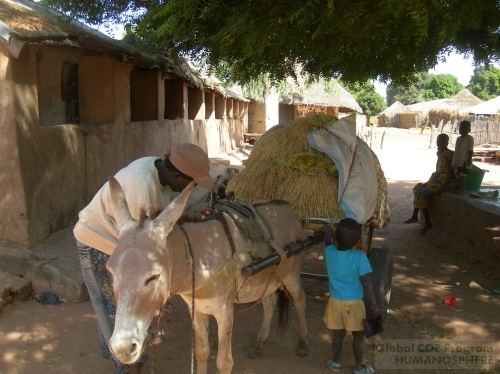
449, 300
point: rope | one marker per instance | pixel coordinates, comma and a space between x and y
192, 296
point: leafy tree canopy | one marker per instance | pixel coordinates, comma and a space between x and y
442, 86
355, 40
426, 87
368, 99
485, 82
412, 94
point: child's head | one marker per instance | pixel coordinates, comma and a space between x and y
347, 233
442, 142
464, 128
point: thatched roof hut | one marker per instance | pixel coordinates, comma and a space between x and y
318, 94
461, 100
448, 110
386, 118
488, 108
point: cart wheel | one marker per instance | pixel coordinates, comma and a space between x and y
381, 262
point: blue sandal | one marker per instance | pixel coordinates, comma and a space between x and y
367, 369
335, 366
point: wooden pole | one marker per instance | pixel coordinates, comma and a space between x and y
369, 240
382, 141
433, 136
488, 132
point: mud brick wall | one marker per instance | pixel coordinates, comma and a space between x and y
462, 219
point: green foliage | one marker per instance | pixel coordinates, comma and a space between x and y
485, 82
443, 86
355, 40
412, 93
368, 99
425, 87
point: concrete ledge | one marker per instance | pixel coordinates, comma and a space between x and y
43, 275
462, 219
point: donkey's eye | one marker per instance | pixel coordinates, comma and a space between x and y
153, 278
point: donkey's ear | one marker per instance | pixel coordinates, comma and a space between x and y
166, 220
119, 203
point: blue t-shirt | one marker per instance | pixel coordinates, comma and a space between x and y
344, 269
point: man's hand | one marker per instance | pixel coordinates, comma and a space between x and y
327, 230
376, 312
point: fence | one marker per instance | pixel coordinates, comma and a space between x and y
483, 132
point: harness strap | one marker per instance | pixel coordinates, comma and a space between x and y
223, 220
267, 236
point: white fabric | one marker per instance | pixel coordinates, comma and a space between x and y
463, 146
143, 190
358, 185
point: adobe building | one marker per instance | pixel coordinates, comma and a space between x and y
76, 106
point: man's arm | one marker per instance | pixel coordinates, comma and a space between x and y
327, 230
366, 281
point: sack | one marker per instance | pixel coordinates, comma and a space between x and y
373, 326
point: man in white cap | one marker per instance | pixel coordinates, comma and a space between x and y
147, 184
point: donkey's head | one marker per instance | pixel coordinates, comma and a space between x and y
141, 270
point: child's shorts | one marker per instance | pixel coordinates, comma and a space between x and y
345, 314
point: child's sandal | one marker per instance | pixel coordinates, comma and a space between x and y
335, 366
367, 369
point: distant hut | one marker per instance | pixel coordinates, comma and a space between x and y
407, 119
388, 116
449, 109
422, 110
490, 108
316, 98
296, 99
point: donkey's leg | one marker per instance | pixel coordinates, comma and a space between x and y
201, 345
268, 303
225, 317
294, 287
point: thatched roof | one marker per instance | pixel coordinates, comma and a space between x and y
26, 22
393, 109
425, 106
317, 95
490, 107
461, 100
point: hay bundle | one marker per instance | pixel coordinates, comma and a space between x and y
284, 166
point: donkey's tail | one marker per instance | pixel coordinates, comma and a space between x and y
283, 311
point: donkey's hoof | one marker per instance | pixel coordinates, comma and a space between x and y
302, 352
254, 353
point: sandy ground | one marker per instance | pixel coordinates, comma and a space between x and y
63, 339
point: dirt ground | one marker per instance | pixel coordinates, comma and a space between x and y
63, 339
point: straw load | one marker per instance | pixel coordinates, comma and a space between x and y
284, 166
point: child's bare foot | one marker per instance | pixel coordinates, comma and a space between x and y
426, 229
492, 230
411, 220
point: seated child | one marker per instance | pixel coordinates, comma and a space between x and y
349, 278
439, 181
462, 158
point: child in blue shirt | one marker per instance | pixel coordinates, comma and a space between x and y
349, 278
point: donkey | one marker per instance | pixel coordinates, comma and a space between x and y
152, 261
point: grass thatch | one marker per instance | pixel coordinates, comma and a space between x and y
407, 120
312, 192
